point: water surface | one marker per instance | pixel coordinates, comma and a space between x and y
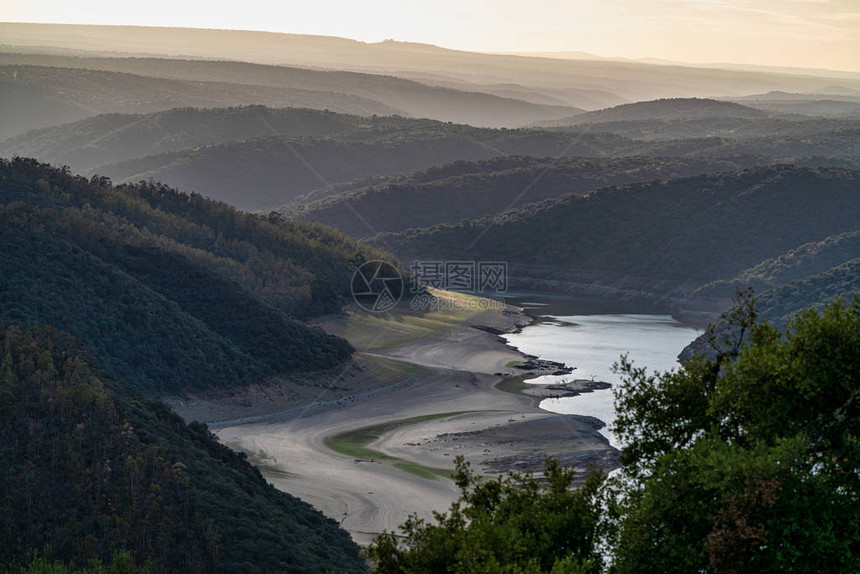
593, 341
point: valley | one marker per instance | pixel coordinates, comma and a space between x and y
447, 374
280, 302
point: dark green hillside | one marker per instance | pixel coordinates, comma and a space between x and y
451, 193
841, 142
174, 292
797, 264
261, 158
660, 235
88, 467
840, 281
726, 128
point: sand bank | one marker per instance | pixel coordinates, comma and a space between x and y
448, 368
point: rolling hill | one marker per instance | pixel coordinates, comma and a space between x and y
266, 172
469, 190
46, 96
839, 282
832, 102
110, 138
260, 158
665, 109
651, 239
174, 292
632, 81
204, 83
704, 128
795, 265
91, 467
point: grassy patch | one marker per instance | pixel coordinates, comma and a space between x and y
512, 385
511, 364
383, 369
347, 445
425, 472
354, 443
403, 324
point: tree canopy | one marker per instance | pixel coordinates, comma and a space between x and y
89, 467
743, 460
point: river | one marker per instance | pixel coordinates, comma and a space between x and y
590, 334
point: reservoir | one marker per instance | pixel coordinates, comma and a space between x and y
591, 334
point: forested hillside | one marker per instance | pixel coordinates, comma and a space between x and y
724, 128
804, 261
174, 292
260, 158
453, 192
90, 467
660, 236
841, 281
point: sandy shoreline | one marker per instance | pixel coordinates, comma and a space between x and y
451, 370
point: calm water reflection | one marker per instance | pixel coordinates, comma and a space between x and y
593, 341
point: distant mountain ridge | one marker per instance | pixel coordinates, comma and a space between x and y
667, 109
45, 96
633, 81
397, 95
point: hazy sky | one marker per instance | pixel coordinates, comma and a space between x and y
803, 33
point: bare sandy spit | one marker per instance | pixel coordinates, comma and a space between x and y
450, 370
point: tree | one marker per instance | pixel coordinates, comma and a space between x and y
512, 524
746, 460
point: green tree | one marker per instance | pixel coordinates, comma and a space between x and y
747, 460
512, 524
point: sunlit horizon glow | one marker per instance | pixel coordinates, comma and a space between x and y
793, 33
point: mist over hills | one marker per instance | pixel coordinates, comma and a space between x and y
388, 94
261, 158
110, 138
628, 80
266, 172
667, 109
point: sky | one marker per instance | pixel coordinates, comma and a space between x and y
797, 33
